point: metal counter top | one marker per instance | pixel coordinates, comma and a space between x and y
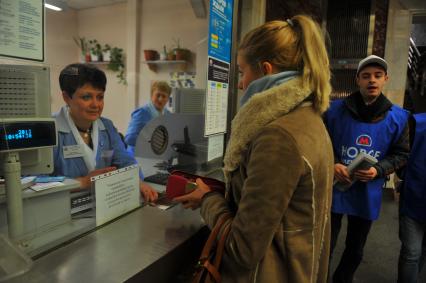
118, 251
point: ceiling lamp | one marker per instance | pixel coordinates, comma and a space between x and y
199, 8
55, 5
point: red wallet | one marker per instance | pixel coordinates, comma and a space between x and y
180, 183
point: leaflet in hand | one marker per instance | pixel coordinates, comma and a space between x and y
363, 161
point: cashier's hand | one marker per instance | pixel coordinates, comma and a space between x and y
366, 175
193, 199
85, 182
341, 173
148, 193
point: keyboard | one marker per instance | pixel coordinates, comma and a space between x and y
81, 201
159, 178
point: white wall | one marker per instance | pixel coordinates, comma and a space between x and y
161, 21
108, 24
60, 49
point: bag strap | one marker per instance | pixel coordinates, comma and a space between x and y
213, 235
221, 245
214, 269
204, 261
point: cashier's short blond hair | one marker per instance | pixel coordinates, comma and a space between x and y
161, 86
294, 44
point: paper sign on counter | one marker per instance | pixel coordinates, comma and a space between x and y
116, 192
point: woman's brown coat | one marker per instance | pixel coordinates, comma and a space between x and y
279, 168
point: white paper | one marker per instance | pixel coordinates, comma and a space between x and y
215, 148
217, 97
117, 192
44, 186
216, 107
21, 29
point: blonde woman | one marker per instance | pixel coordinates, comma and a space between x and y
279, 160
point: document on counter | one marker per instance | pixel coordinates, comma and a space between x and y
116, 193
44, 186
25, 183
163, 202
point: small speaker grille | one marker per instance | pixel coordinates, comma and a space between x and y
17, 94
159, 140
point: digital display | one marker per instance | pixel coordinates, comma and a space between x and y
23, 135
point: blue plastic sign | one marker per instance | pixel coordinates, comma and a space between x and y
220, 29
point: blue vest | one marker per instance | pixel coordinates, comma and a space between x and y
350, 137
413, 198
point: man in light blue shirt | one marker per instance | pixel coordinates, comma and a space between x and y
160, 93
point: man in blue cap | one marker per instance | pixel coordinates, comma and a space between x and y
366, 121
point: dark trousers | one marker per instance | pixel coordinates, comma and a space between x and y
413, 249
358, 229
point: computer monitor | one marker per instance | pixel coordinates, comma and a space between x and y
25, 95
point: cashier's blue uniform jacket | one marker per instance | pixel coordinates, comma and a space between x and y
413, 194
139, 118
108, 141
350, 137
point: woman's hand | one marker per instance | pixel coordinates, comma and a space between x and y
193, 199
148, 193
366, 175
341, 173
85, 182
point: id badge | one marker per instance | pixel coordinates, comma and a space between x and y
73, 151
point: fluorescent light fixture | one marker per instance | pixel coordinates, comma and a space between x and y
199, 8
56, 5
52, 7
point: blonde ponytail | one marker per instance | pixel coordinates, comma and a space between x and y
316, 66
296, 44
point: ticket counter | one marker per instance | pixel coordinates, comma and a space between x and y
145, 245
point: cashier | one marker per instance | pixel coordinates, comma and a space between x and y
88, 144
160, 93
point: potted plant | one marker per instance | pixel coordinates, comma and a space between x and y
180, 53
116, 64
84, 48
95, 50
150, 54
171, 55
106, 53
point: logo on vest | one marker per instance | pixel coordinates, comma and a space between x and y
364, 140
349, 153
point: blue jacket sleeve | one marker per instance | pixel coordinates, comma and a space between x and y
139, 119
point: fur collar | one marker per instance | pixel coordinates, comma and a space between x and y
260, 110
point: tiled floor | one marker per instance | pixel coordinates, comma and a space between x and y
381, 253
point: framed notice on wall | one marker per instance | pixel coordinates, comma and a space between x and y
22, 29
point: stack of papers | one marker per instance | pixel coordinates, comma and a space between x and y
25, 183
363, 161
44, 186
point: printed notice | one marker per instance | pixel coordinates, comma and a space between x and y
215, 148
21, 29
116, 192
217, 97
